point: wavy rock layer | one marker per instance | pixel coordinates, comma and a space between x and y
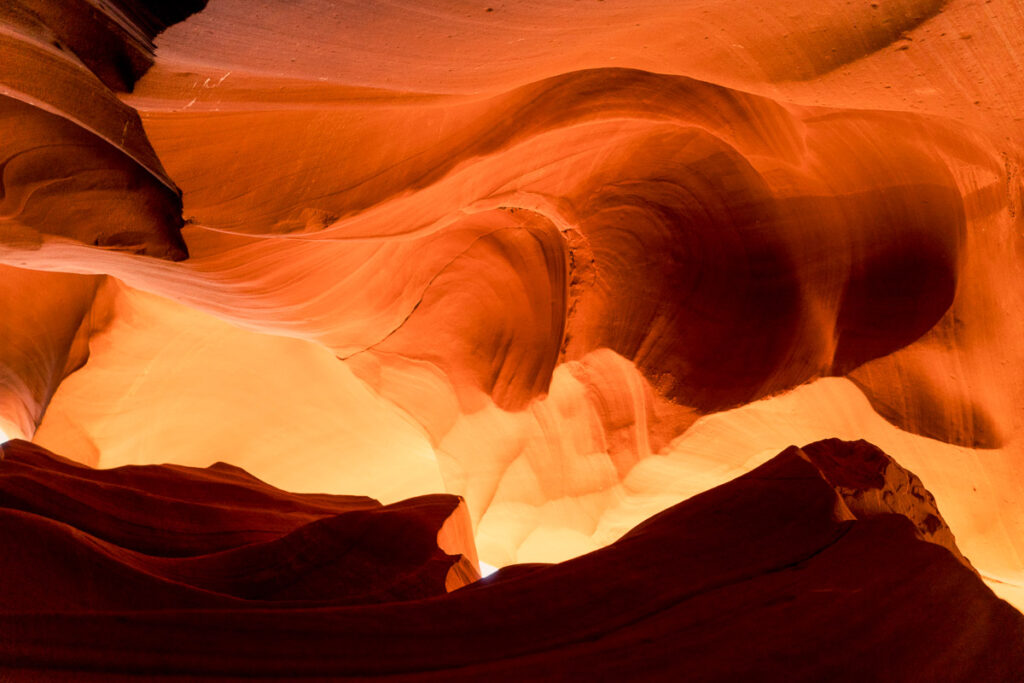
161, 537
75, 167
76, 162
820, 550
573, 262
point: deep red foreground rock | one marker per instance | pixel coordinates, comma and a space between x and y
827, 563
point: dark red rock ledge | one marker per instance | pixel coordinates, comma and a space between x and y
828, 563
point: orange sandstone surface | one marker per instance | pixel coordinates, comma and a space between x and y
555, 282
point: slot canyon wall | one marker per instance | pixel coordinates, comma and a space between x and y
307, 307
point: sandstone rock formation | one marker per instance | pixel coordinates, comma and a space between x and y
816, 561
160, 537
574, 262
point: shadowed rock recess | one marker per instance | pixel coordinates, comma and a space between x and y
325, 304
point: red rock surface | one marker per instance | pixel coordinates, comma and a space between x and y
161, 537
782, 574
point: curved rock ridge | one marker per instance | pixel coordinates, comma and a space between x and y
787, 559
871, 483
75, 165
689, 241
159, 537
76, 162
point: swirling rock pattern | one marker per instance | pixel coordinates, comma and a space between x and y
574, 262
